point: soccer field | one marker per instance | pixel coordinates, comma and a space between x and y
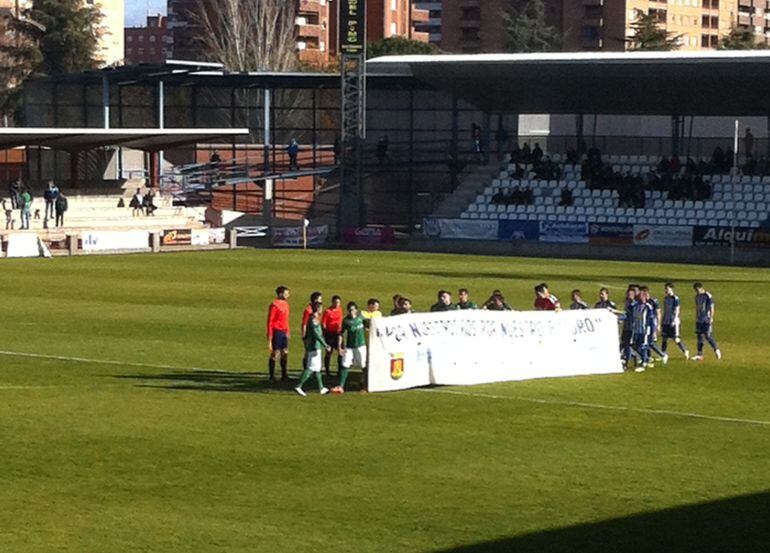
135, 416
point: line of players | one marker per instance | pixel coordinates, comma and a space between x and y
325, 331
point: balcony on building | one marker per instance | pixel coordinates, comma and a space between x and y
309, 6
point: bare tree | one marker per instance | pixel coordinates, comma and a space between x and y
249, 35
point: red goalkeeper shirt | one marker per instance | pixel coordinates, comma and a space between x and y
278, 317
332, 320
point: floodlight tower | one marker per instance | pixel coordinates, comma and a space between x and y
352, 48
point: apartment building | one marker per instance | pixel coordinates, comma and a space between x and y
607, 25
147, 44
604, 25
432, 25
470, 26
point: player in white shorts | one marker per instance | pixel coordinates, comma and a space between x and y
352, 344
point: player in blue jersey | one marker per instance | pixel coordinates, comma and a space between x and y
671, 321
641, 328
627, 318
704, 321
656, 319
605, 302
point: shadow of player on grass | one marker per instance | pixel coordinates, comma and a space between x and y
224, 381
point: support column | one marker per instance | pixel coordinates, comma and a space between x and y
74, 170
266, 137
580, 134
154, 157
105, 102
161, 125
411, 162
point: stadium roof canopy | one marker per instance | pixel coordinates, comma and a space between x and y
75, 140
632, 83
708, 83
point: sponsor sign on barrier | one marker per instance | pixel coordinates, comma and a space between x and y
371, 236
179, 237
291, 237
207, 236
518, 230
26, 244
722, 236
113, 240
611, 234
460, 229
564, 232
474, 347
654, 235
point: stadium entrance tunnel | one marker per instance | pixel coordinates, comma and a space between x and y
737, 524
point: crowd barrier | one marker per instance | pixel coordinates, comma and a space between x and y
621, 234
31, 244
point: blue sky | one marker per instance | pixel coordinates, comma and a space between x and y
136, 10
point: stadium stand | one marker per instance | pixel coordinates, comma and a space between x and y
752, 197
101, 212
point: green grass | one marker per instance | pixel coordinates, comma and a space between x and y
114, 457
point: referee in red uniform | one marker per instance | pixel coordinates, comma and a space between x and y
278, 332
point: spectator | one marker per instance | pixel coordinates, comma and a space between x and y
748, 143
729, 160
8, 219
148, 203
516, 153
526, 154
293, 150
61, 207
137, 201
25, 206
718, 160
499, 198
14, 191
566, 197
50, 195
572, 156
537, 154
382, 149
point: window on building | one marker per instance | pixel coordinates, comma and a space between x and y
393, 5
152, 38
393, 28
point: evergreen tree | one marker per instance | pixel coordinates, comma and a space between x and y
68, 37
526, 29
399, 46
19, 56
740, 39
649, 36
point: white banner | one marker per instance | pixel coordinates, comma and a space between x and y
291, 237
653, 235
112, 240
461, 229
476, 347
25, 244
206, 236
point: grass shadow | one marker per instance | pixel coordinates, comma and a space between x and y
224, 381
733, 525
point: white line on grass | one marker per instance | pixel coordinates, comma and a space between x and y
603, 407
581, 404
101, 361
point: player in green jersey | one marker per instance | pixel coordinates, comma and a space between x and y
315, 345
352, 344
